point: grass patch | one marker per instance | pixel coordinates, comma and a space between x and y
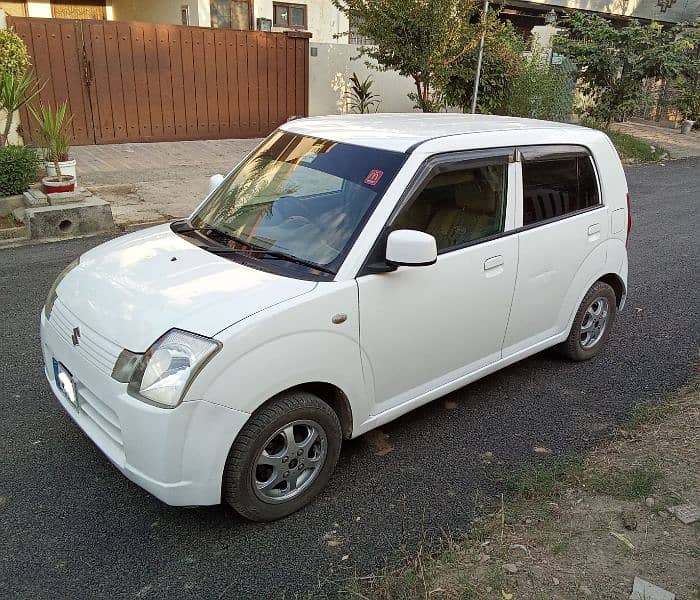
636, 482
633, 149
647, 413
651, 413
8, 222
541, 481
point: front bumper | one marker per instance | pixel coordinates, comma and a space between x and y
178, 454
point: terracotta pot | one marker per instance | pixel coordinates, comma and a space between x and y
53, 185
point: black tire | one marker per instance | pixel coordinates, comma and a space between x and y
574, 348
238, 488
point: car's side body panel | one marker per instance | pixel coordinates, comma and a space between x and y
291, 344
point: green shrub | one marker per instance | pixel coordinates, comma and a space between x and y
633, 149
14, 58
18, 169
540, 91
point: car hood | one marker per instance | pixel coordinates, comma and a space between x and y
133, 289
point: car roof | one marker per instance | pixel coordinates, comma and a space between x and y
402, 132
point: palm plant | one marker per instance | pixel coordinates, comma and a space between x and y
362, 98
52, 129
16, 89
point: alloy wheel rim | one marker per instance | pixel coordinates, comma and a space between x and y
290, 461
594, 323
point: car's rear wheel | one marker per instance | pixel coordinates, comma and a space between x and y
284, 456
592, 323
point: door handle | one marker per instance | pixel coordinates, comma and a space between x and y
594, 229
493, 263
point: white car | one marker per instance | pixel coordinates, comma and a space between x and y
349, 270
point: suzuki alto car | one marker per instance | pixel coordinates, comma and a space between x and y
349, 270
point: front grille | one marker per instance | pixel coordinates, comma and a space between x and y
94, 348
102, 416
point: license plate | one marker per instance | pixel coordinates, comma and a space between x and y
65, 383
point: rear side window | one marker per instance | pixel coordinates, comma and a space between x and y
556, 185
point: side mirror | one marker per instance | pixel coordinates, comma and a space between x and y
410, 248
215, 181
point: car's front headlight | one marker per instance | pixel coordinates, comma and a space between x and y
163, 374
52, 295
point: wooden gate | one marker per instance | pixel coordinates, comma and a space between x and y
142, 82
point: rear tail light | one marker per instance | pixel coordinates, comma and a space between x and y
629, 218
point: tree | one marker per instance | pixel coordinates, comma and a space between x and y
613, 63
417, 38
502, 64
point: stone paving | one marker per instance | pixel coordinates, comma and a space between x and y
155, 181
671, 140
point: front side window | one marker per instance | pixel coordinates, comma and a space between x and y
459, 207
289, 15
299, 196
556, 185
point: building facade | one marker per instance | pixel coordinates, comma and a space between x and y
325, 22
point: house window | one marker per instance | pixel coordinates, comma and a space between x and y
230, 14
14, 8
85, 9
291, 16
356, 38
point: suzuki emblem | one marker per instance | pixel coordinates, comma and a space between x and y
76, 336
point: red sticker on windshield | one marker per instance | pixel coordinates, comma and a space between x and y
374, 176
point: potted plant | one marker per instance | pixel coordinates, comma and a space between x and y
60, 169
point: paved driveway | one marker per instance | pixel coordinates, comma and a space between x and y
156, 181
72, 527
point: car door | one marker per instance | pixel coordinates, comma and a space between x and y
564, 225
424, 327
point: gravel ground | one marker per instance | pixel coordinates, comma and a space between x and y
73, 527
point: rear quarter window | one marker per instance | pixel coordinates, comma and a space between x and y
555, 185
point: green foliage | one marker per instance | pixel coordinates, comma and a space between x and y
52, 130
16, 89
419, 39
502, 63
633, 149
688, 101
635, 482
18, 169
541, 481
540, 91
362, 98
613, 63
14, 58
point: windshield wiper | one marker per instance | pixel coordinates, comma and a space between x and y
252, 249
225, 234
263, 253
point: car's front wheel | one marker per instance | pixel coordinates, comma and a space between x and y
592, 323
284, 456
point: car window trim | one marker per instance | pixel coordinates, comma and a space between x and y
521, 229
431, 166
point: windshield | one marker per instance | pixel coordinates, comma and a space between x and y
300, 196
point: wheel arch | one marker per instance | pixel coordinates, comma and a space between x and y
330, 394
618, 286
